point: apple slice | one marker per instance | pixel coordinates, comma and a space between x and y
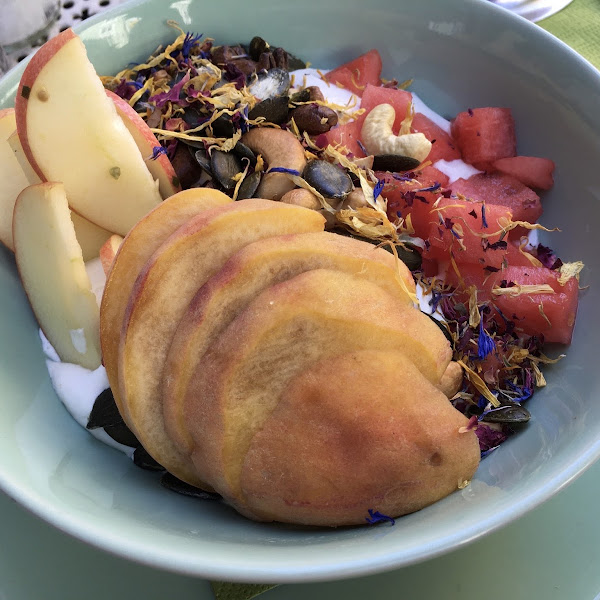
53, 273
160, 168
90, 236
160, 297
12, 177
139, 245
71, 132
245, 275
108, 252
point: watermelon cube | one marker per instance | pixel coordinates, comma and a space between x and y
531, 171
504, 190
549, 314
375, 95
473, 234
343, 135
405, 197
444, 147
484, 135
356, 74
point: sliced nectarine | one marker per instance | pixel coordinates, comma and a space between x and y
161, 294
137, 247
310, 318
246, 274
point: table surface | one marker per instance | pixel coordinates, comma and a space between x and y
551, 553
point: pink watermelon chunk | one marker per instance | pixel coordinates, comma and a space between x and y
484, 135
552, 315
503, 190
356, 74
531, 171
375, 95
444, 147
457, 226
345, 135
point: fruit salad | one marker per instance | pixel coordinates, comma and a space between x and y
210, 174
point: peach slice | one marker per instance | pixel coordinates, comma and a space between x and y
246, 274
53, 273
90, 236
137, 247
160, 168
160, 297
71, 132
310, 318
382, 437
11, 175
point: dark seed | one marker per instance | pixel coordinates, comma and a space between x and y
181, 487
143, 460
314, 118
257, 47
223, 127
242, 151
249, 186
394, 163
309, 94
186, 167
203, 160
122, 434
410, 256
329, 180
104, 412
224, 167
509, 413
295, 63
274, 110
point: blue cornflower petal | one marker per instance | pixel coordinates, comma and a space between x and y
377, 517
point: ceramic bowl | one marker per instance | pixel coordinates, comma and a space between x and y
461, 54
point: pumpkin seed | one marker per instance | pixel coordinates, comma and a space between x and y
330, 180
174, 484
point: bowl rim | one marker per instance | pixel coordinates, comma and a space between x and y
222, 569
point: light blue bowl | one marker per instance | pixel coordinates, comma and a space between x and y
461, 54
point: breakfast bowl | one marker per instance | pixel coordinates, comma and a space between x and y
460, 54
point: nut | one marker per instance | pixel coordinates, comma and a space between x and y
302, 197
279, 148
378, 137
314, 118
355, 199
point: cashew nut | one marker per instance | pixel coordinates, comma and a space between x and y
378, 137
279, 148
302, 197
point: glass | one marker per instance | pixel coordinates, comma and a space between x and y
534, 10
24, 22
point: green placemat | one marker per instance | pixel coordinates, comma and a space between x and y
578, 25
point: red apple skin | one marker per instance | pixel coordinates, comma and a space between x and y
127, 112
32, 70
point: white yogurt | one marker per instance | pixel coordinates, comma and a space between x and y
455, 169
